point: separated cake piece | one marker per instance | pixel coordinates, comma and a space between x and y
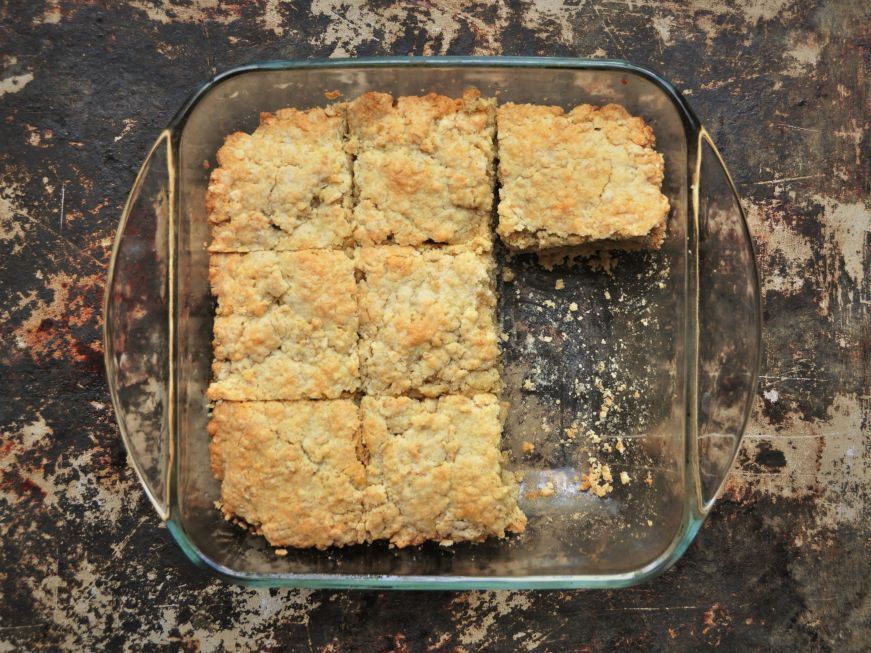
427, 322
290, 470
589, 176
287, 186
435, 470
286, 325
424, 168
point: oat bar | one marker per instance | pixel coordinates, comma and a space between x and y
588, 176
427, 321
290, 470
424, 168
285, 326
286, 186
435, 470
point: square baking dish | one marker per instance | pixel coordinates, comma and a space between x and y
657, 351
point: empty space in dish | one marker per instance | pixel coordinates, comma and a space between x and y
614, 364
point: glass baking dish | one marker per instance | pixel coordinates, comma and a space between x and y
646, 361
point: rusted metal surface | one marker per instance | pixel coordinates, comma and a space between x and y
783, 563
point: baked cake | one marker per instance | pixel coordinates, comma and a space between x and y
435, 470
423, 171
290, 470
589, 176
286, 186
427, 321
285, 325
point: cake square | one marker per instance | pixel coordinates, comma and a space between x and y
427, 321
588, 176
285, 326
286, 186
434, 470
291, 470
423, 171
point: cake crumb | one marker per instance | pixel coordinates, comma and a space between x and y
281, 552
560, 284
528, 385
649, 479
649, 523
620, 446
602, 261
527, 447
624, 478
507, 275
548, 490
598, 480
332, 95
571, 432
573, 307
607, 403
593, 437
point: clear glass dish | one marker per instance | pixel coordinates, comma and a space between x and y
661, 350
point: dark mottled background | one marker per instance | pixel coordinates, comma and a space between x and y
784, 561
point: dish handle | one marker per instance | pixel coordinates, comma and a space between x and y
729, 320
137, 335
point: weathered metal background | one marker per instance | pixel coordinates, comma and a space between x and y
784, 563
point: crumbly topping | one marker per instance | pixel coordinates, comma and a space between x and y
435, 470
286, 325
424, 168
588, 176
427, 321
290, 470
286, 186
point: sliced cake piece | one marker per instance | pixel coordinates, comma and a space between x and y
435, 470
287, 186
424, 168
290, 470
590, 176
285, 325
427, 322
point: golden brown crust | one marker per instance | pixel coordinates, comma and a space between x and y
427, 321
286, 325
290, 470
286, 186
424, 168
435, 470
586, 176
